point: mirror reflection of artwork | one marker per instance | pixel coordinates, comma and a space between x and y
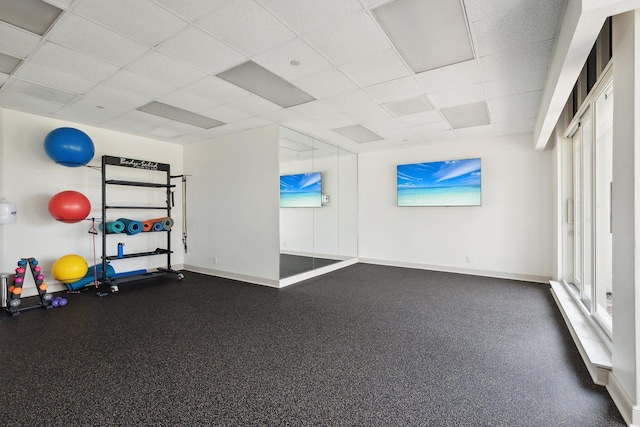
302, 190
445, 183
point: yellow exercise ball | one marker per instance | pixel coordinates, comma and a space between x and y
69, 268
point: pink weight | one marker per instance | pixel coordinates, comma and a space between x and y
18, 280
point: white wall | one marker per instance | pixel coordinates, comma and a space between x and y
233, 204
30, 178
510, 235
625, 195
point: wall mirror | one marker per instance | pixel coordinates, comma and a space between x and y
318, 209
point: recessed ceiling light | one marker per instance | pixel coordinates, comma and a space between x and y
404, 107
178, 114
358, 133
464, 116
264, 83
35, 16
8, 64
428, 34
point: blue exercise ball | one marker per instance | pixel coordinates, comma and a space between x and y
69, 147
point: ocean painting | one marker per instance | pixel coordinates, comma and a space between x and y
446, 183
302, 190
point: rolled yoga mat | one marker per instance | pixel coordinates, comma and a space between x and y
157, 226
166, 222
112, 227
131, 227
88, 278
147, 226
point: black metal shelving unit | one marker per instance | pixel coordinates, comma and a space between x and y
112, 161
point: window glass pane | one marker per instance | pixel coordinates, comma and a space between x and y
577, 210
587, 222
603, 178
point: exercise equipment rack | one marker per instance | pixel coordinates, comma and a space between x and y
112, 161
14, 292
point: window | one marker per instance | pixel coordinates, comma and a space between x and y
587, 174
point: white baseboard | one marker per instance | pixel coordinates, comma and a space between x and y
317, 272
473, 272
623, 401
234, 276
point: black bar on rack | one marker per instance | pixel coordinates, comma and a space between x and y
136, 183
136, 164
136, 207
158, 251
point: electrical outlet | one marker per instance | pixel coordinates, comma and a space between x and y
215, 259
468, 259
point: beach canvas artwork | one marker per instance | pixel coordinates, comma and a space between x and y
445, 183
302, 190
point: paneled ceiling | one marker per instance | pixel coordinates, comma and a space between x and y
102, 62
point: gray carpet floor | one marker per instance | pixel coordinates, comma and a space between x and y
363, 346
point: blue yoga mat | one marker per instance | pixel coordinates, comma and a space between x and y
88, 278
131, 227
112, 227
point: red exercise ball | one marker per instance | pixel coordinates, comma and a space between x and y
69, 206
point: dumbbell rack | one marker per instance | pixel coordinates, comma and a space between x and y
14, 294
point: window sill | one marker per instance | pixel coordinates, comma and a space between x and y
590, 344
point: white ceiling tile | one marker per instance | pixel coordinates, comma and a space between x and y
16, 101
15, 41
281, 116
203, 51
350, 39
246, 26
254, 105
514, 102
137, 121
376, 69
326, 84
332, 122
427, 128
116, 97
474, 131
351, 101
459, 96
3, 78
394, 90
408, 106
517, 62
226, 114
163, 67
309, 16
90, 38
193, 9
73, 62
39, 91
456, 75
54, 77
188, 101
86, 113
278, 60
482, 9
534, 81
313, 109
163, 133
369, 114
525, 25
62, 4
134, 82
374, 3
216, 89
141, 20
518, 113
181, 128
514, 127
422, 118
